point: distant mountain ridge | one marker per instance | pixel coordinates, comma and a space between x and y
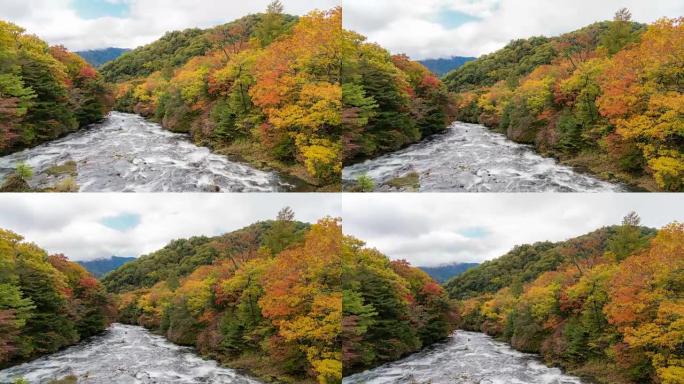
100, 57
441, 67
445, 272
101, 267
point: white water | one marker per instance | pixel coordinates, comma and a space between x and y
467, 358
471, 158
126, 354
126, 153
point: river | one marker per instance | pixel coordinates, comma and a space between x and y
472, 158
126, 354
466, 358
126, 153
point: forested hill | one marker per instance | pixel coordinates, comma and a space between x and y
46, 302
265, 298
606, 305
520, 57
183, 256
45, 92
176, 48
525, 263
390, 309
265, 88
606, 98
441, 67
99, 57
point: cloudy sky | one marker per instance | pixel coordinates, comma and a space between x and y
444, 28
91, 24
437, 229
91, 226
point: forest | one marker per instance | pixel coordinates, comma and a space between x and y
607, 98
46, 302
388, 101
265, 298
606, 305
265, 88
390, 309
45, 92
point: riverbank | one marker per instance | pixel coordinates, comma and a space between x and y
250, 152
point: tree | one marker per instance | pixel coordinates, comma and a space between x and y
272, 23
628, 237
619, 33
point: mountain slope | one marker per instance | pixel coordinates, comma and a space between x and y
265, 298
441, 67
265, 89
525, 263
603, 98
46, 302
390, 309
99, 57
101, 267
604, 305
181, 257
45, 92
176, 48
445, 272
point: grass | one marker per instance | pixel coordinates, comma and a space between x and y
252, 153
409, 182
68, 168
601, 166
260, 366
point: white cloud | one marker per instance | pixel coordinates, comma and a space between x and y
412, 27
428, 229
57, 21
71, 224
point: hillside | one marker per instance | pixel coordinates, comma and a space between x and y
265, 298
604, 98
388, 102
390, 309
45, 92
101, 267
181, 257
604, 305
445, 272
99, 57
46, 302
176, 48
525, 263
264, 89
441, 67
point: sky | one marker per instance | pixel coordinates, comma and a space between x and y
444, 28
93, 24
439, 229
93, 226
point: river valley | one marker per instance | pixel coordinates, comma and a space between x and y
125, 354
466, 358
471, 158
126, 153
